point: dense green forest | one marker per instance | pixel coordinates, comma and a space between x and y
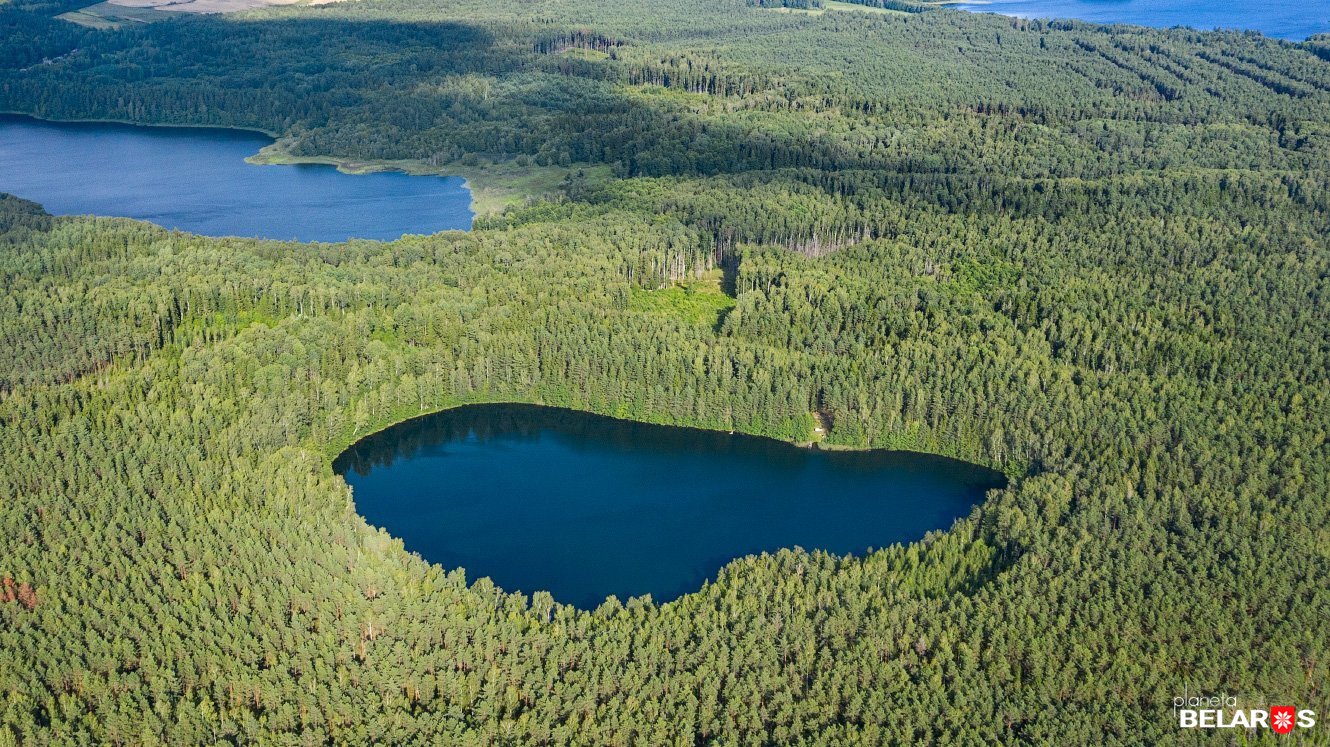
1094, 257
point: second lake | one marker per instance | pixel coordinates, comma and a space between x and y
197, 180
1294, 21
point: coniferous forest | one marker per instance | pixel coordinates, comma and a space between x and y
1094, 257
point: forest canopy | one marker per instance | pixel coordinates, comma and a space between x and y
1094, 257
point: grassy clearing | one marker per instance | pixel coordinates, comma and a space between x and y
586, 54
91, 20
841, 6
498, 186
494, 186
109, 16
800, 11
698, 302
837, 5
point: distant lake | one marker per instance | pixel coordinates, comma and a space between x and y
1285, 19
585, 506
197, 180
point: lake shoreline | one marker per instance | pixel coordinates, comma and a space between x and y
200, 179
335, 448
1166, 16
131, 123
492, 189
587, 506
332, 454
277, 153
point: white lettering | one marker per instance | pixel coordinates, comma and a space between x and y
1221, 712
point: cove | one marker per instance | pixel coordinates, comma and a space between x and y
1294, 21
585, 506
197, 180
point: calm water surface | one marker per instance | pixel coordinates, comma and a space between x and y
1285, 19
585, 506
197, 180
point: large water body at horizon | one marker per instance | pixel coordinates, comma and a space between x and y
586, 506
1285, 20
197, 180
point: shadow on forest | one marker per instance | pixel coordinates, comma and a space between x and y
443, 92
380, 89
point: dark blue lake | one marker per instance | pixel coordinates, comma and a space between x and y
197, 180
1285, 19
585, 506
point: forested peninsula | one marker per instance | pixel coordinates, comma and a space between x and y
1095, 258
